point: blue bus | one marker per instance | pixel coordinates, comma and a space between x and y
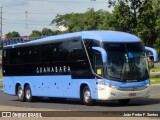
88, 65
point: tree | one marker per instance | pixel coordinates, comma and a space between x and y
137, 17
146, 29
122, 18
106, 22
35, 33
47, 32
156, 4
12, 34
90, 20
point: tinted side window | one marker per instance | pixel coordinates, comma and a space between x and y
89, 43
58, 51
36, 54
68, 50
77, 52
29, 54
46, 53
14, 56
6, 56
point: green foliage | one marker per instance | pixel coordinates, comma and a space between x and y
137, 17
122, 17
155, 76
46, 32
151, 65
12, 34
158, 45
35, 33
146, 24
90, 20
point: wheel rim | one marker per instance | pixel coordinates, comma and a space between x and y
20, 93
87, 96
28, 94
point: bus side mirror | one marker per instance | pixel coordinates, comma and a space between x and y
152, 53
103, 53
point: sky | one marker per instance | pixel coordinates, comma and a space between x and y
24, 16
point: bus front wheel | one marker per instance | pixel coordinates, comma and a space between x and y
28, 94
87, 99
20, 94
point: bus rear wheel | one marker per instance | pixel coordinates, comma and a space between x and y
28, 94
87, 99
20, 94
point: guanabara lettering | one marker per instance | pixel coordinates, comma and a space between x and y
53, 69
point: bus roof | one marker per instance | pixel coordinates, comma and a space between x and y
103, 36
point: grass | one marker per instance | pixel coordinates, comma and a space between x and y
155, 74
155, 79
156, 68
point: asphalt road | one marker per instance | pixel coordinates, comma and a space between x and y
142, 104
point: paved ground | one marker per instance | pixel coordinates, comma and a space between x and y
11, 108
32, 108
6, 108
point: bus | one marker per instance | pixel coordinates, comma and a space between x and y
89, 65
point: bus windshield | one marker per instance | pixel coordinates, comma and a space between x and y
126, 62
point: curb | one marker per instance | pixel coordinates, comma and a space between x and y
155, 85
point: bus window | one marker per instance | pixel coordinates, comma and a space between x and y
98, 65
58, 52
46, 53
31, 54
6, 56
14, 56
77, 51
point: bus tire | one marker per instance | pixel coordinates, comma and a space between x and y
28, 94
87, 99
20, 94
124, 101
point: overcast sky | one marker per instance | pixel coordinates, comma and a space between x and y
40, 13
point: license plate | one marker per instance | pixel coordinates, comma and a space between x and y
132, 94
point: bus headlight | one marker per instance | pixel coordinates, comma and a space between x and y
114, 87
147, 85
